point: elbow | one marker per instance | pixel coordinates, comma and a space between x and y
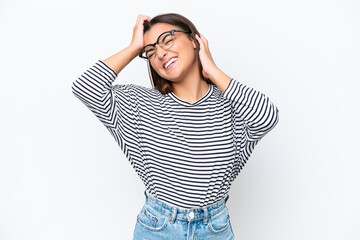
276, 115
73, 87
76, 89
274, 118
267, 123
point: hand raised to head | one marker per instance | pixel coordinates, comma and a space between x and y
206, 59
138, 32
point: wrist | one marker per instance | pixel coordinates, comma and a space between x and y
134, 49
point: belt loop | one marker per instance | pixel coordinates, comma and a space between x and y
173, 216
206, 217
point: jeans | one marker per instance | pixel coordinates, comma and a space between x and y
158, 220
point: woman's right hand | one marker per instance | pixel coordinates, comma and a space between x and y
137, 41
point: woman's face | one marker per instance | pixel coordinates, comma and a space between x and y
182, 51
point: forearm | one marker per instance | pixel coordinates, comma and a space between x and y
220, 79
119, 60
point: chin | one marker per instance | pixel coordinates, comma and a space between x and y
173, 77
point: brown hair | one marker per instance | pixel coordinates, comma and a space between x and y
159, 83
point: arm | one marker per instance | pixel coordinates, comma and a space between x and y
253, 109
114, 105
256, 112
94, 88
119, 60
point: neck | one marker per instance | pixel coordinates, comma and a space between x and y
192, 87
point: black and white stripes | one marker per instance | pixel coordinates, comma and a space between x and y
187, 154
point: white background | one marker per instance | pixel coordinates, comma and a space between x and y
62, 175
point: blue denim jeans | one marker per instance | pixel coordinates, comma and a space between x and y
158, 220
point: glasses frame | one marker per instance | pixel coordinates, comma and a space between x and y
157, 41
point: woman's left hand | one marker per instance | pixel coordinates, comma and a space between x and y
210, 70
207, 62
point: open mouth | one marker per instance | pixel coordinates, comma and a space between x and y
170, 63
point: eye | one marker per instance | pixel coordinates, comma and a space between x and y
168, 41
168, 38
149, 52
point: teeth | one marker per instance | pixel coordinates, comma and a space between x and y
170, 62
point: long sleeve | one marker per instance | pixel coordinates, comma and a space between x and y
186, 154
253, 109
116, 106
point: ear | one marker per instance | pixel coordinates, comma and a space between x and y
193, 42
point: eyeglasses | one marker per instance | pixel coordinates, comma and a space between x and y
165, 41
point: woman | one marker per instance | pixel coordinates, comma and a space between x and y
188, 137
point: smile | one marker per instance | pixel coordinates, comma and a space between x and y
171, 61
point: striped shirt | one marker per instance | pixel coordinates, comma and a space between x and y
186, 154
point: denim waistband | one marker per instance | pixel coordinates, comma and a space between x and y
183, 214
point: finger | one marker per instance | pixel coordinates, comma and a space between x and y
142, 18
139, 18
204, 40
201, 42
146, 18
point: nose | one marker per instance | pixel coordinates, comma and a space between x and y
160, 52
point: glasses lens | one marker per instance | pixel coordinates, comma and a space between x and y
166, 40
148, 52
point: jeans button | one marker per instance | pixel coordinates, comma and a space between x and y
191, 215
